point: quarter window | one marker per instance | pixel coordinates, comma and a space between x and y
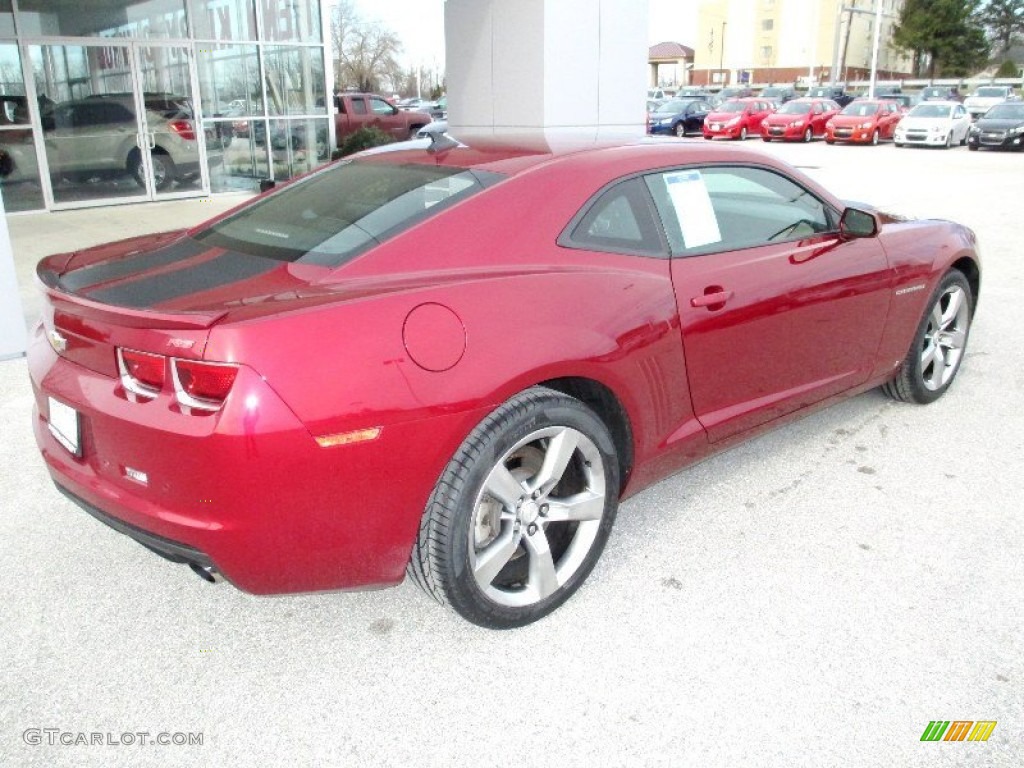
726, 208
619, 221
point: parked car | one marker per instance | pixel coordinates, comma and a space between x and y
941, 93
735, 92
905, 100
657, 94
360, 110
1002, 127
423, 105
679, 117
439, 109
836, 93
799, 120
736, 119
935, 124
98, 135
864, 121
693, 91
986, 96
174, 400
779, 94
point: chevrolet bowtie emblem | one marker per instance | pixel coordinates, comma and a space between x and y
57, 341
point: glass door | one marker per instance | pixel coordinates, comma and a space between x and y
92, 131
119, 122
176, 153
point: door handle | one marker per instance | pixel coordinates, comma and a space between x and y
152, 139
711, 299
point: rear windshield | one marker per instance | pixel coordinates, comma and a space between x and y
337, 214
991, 92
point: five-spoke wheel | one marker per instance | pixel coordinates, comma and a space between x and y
935, 356
522, 511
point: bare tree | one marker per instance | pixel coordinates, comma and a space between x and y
365, 53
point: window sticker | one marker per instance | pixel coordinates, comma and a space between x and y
696, 217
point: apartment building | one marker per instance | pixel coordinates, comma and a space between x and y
788, 41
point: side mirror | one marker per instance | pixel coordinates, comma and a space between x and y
857, 223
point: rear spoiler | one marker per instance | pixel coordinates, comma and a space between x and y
128, 317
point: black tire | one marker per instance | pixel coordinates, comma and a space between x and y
414, 131
949, 140
679, 130
509, 443
808, 135
765, 139
830, 141
743, 133
874, 138
911, 383
164, 170
972, 147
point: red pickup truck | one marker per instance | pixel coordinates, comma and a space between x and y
358, 110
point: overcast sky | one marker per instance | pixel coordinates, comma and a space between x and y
420, 25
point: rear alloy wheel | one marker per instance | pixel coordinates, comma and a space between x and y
808, 135
680, 130
521, 513
938, 348
164, 170
874, 138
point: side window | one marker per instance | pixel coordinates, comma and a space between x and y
620, 220
381, 107
729, 207
358, 107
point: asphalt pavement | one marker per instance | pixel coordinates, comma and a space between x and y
814, 597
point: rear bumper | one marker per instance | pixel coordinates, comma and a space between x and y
247, 490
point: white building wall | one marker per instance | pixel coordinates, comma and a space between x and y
546, 70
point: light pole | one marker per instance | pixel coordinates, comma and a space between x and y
721, 55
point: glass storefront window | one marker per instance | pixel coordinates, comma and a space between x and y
295, 80
229, 80
243, 159
298, 146
288, 21
224, 19
6, 19
149, 20
19, 166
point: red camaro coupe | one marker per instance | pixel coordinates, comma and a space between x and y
456, 363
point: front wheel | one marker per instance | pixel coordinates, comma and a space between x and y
808, 135
521, 513
743, 133
949, 140
680, 130
935, 355
874, 138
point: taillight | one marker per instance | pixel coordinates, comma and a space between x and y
203, 385
142, 373
183, 128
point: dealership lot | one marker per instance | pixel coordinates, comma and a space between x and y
814, 597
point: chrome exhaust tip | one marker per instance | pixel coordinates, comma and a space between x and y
206, 572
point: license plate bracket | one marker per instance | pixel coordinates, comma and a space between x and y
65, 426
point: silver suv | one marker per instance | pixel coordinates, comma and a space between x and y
98, 135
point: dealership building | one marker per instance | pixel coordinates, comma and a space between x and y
116, 101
